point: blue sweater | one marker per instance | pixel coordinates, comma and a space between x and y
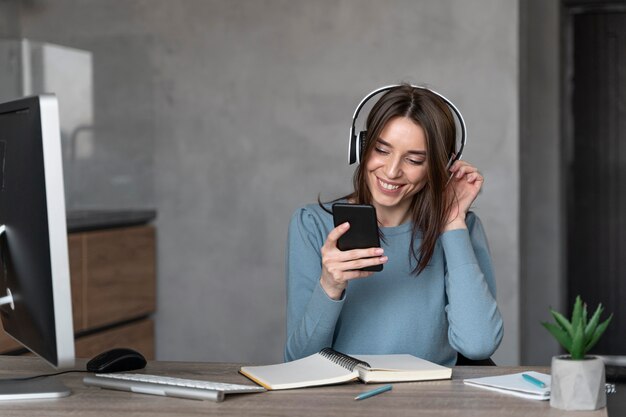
449, 307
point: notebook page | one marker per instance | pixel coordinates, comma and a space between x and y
306, 372
402, 362
401, 367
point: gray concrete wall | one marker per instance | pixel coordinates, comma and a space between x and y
118, 170
227, 116
10, 80
541, 154
9, 19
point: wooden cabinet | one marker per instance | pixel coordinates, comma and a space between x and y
138, 335
113, 282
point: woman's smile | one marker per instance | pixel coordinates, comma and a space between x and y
388, 187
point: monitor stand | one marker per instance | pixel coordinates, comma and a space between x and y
32, 389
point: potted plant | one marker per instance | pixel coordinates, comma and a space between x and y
578, 381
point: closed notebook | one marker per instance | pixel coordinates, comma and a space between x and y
514, 384
331, 367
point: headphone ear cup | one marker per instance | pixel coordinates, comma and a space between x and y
362, 145
353, 155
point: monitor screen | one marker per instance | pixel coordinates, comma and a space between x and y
35, 295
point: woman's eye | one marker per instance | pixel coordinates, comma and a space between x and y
415, 162
381, 151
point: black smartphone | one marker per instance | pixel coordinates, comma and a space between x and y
363, 232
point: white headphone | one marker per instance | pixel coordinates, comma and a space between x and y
356, 146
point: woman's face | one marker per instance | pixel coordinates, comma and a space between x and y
397, 169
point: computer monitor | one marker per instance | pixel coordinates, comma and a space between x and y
35, 295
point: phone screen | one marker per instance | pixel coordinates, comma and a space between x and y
363, 232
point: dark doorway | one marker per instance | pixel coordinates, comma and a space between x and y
596, 166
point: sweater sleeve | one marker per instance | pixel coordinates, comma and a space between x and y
475, 324
311, 314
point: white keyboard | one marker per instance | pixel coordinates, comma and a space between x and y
168, 386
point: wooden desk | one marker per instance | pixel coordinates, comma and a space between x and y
431, 398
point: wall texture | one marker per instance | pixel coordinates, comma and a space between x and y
542, 227
226, 116
9, 19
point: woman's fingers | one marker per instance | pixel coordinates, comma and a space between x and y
457, 165
336, 233
338, 267
337, 262
466, 184
353, 254
463, 168
331, 252
364, 263
474, 176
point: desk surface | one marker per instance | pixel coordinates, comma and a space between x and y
428, 398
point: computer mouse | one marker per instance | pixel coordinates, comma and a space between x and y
116, 360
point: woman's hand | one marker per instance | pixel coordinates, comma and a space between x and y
465, 183
339, 267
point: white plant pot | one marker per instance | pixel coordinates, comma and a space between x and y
577, 384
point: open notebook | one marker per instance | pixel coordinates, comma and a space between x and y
514, 384
331, 367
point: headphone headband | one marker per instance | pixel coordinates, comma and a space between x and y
355, 146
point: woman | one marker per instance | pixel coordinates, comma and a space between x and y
436, 294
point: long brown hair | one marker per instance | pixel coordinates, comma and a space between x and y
430, 206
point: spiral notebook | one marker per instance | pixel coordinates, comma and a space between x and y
331, 367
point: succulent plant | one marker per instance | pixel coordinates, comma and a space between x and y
579, 335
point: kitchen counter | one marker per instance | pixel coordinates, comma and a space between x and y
87, 220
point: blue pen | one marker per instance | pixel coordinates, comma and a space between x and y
533, 380
373, 392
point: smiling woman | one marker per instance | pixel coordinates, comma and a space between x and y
397, 169
436, 295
